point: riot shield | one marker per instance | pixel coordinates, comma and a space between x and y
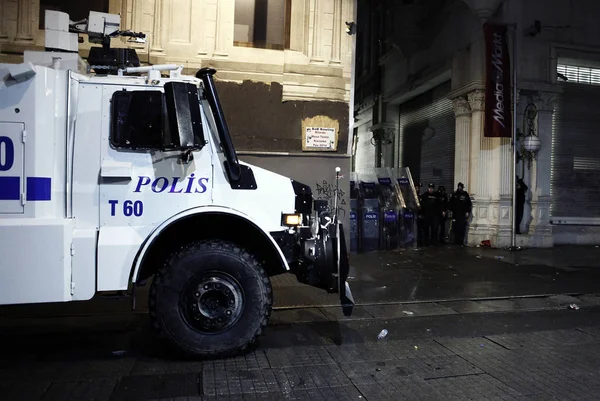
354, 232
368, 212
389, 204
410, 205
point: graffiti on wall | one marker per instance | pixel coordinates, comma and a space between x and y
327, 191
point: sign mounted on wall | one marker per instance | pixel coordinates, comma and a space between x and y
498, 116
320, 133
319, 138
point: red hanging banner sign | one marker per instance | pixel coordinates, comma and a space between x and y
498, 120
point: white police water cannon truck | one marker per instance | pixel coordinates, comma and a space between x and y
112, 174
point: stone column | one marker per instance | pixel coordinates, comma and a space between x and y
125, 20
224, 27
462, 146
541, 169
157, 27
476, 103
488, 185
3, 34
483, 176
336, 40
202, 6
136, 25
24, 19
315, 52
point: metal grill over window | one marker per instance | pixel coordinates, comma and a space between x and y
427, 135
575, 172
580, 75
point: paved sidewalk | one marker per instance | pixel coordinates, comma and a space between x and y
455, 273
509, 356
464, 323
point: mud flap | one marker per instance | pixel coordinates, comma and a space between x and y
342, 270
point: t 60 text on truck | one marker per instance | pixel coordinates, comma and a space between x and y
112, 174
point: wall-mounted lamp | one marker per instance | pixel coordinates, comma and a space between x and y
350, 28
428, 133
385, 136
534, 29
530, 142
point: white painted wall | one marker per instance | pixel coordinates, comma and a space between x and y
365, 151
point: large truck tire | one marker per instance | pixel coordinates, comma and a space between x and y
211, 299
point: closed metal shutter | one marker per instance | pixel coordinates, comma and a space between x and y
575, 172
427, 136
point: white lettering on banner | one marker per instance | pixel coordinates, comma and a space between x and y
498, 79
320, 138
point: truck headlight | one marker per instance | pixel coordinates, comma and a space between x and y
291, 220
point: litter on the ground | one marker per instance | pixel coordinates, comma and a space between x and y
574, 306
119, 352
382, 334
499, 257
407, 312
479, 256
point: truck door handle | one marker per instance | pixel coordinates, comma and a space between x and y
112, 169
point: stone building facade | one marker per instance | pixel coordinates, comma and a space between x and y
423, 84
282, 66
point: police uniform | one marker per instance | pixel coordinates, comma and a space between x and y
521, 193
431, 209
461, 208
420, 235
444, 207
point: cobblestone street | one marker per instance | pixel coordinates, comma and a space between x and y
463, 325
472, 356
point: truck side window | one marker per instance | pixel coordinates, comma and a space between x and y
138, 120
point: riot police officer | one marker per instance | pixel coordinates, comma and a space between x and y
420, 234
431, 209
444, 207
521, 194
461, 208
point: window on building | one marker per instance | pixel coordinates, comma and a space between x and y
77, 10
579, 75
262, 24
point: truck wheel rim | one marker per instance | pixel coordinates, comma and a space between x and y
213, 302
